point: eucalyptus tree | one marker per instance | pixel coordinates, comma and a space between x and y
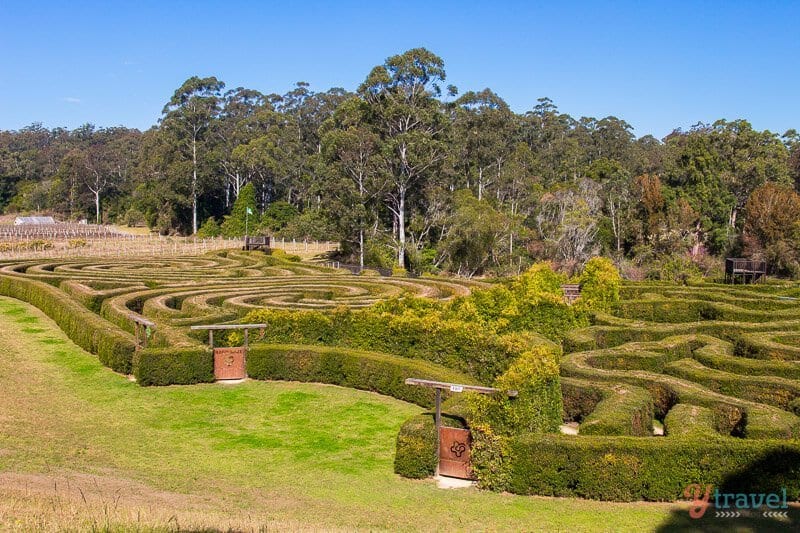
404, 111
749, 159
352, 149
187, 117
233, 128
483, 135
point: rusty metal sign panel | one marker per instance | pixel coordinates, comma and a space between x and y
229, 363
454, 452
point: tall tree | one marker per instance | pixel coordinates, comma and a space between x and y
401, 95
188, 115
483, 132
353, 150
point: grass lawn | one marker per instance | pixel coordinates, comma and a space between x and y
82, 447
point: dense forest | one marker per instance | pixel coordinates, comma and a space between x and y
408, 172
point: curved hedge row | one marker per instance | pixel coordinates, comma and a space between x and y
633, 468
376, 372
113, 347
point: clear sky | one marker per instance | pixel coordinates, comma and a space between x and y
657, 65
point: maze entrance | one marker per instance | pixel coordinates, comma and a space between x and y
229, 363
454, 452
453, 443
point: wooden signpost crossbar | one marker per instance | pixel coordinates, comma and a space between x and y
213, 327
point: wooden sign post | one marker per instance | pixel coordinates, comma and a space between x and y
439, 386
143, 330
230, 363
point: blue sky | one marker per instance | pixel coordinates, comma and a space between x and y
657, 65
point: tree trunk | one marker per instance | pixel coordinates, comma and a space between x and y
361, 247
401, 227
97, 206
194, 186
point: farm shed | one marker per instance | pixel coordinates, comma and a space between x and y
34, 221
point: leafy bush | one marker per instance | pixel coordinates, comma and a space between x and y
600, 284
173, 366
210, 228
536, 409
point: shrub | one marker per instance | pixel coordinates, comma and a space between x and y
536, 409
173, 366
210, 228
600, 284
685, 420
626, 410
658, 469
467, 347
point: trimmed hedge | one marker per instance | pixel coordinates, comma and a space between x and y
377, 372
685, 420
173, 366
579, 399
113, 347
656, 469
762, 389
465, 346
626, 410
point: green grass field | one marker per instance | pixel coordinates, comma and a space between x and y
84, 448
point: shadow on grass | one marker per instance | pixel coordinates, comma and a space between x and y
771, 474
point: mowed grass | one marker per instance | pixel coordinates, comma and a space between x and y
84, 448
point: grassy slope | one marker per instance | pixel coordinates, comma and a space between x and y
83, 447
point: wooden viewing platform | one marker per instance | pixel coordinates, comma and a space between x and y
256, 243
744, 270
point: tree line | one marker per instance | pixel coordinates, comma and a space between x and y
407, 171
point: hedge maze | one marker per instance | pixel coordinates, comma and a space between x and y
719, 367
715, 368
94, 302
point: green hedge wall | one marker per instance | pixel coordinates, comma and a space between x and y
173, 366
685, 420
381, 373
656, 469
578, 399
626, 410
113, 347
465, 346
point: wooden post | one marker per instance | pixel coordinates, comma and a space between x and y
246, 339
437, 417
211, 338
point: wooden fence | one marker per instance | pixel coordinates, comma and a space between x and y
122, 246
